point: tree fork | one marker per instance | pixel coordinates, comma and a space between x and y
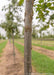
28, 37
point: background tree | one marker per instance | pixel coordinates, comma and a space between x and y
0, 36
10, 25
43, 9
23, 31
34, 31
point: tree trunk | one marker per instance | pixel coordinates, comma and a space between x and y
41, 39
28, 35
13, 48
10, 40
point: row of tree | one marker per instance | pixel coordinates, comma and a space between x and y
13, 21
2, 37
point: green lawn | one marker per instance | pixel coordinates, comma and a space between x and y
2, 45
20, 40
36, 44
42, 63
43, 46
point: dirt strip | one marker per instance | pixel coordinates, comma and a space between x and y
47, 52
46, 44
7, 66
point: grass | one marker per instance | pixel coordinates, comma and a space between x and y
2, 45
20, 40
42, 63
20, 47
43, 46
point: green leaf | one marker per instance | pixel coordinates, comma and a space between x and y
52, 17
52, 7
44, 6
44, 28
49, 4
40, 1
20, 2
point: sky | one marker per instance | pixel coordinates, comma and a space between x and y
2, 15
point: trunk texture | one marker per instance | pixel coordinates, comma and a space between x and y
28, 35
13, 48
10, 42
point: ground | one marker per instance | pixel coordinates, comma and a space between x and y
39, 54
7, 66
47, 52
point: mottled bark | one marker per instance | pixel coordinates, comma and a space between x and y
28, 35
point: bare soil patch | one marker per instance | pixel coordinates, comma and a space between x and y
7, 66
